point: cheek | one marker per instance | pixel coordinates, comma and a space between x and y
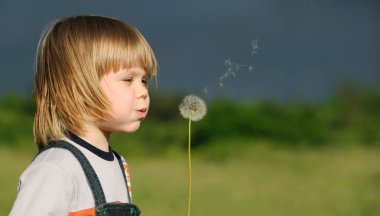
105, 87
113, 95
122, 99
113, 91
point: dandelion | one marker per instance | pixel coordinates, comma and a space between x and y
194, 109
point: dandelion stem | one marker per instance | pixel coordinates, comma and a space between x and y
194, 109
189, 160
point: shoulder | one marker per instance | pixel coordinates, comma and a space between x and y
50, 165
47, 185
53, 155
54, 163
56, 157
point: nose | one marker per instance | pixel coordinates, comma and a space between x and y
142, 91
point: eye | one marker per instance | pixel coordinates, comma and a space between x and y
128, 79
145, 81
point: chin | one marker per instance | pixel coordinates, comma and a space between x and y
130, 128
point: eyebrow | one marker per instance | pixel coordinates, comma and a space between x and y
135, 72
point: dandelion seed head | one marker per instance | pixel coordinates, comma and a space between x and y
193, 108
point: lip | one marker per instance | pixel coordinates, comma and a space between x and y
142, 110
142, 113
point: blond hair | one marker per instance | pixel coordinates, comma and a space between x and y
73, 54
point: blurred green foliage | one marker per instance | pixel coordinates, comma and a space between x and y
351, 116
346, 118
16, 121
267, 120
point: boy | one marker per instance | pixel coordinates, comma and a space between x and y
91, 80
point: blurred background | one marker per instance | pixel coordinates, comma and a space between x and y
293, 96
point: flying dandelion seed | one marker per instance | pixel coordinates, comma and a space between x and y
255, 46
205, 90
194, 109
232, 68
251, 68
228, 63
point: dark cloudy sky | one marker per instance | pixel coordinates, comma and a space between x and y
307, 48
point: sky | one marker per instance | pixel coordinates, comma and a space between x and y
239, 49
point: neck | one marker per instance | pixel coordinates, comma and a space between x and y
96, 137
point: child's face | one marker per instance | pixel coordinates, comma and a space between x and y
127, 92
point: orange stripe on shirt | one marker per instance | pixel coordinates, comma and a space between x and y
85, 212
128, 178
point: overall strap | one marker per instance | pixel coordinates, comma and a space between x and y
92, 178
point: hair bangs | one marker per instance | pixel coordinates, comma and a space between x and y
124, 48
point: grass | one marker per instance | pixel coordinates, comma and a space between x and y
256, 180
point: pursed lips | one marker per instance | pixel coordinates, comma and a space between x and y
142, 113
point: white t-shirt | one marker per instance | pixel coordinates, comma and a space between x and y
54, 183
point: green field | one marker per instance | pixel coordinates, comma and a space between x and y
253, 180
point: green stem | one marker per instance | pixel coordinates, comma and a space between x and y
189, 160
